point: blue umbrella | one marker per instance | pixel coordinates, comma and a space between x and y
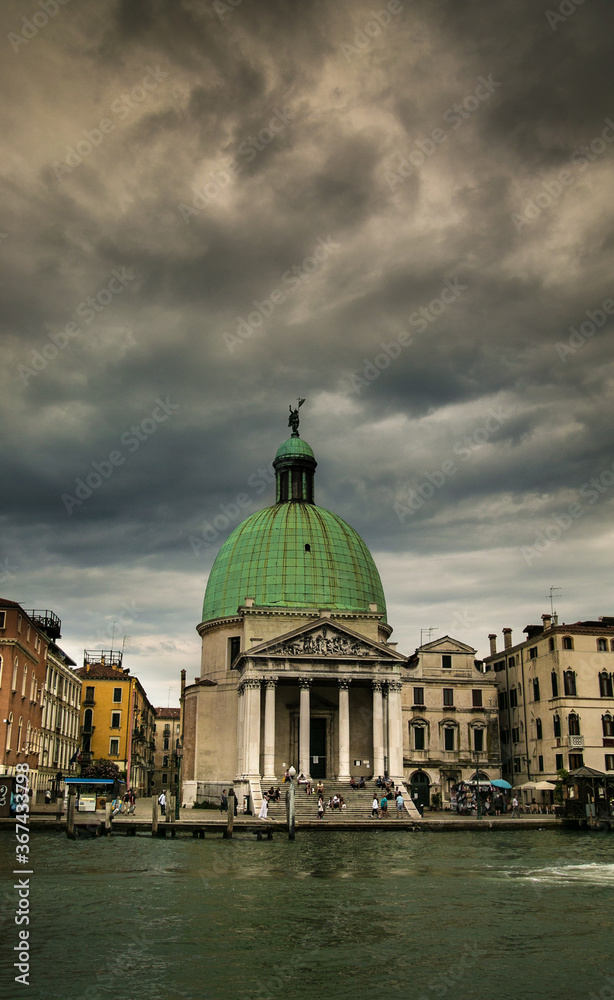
500, 783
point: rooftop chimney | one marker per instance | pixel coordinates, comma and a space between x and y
547, 620
507, 638
492, 638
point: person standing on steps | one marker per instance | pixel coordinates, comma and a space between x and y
375, 808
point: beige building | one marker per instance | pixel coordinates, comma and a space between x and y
167, 731
60, 737
450, 728
555, 698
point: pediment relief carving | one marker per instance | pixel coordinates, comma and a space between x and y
324, 640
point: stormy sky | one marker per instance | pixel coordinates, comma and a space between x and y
401, 212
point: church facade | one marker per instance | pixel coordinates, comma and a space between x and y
297, 668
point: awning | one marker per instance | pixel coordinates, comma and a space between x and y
544, 786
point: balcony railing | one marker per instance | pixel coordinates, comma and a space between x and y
575, 742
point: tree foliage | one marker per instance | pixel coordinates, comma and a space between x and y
101, 769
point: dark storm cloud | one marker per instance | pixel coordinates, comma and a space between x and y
423, 151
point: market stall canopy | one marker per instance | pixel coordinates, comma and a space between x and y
544, 786
584, 772
500, 783
526, 786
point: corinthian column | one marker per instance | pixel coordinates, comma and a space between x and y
240, 731
378, 729
252, 727
269, 729
395, 731
344, 730
304, 762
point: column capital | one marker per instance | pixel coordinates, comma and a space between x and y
395, 685
270, 682
305, 682
344, 683
377, 686
252, 682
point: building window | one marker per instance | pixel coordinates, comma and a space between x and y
557, 726
511, 661
536, 689
574, 724
165, 762
2, 619
551, 644
607, 724
540, 763
419, 738
114, 748
117, 694
569, 681
504, 736
448, 738
567, 642
418, 696
116, 720
478, 740
19, 733
446, 661
234, 648
499, 665
502, 701
165, 779
19, 623
165, 743
9, 731
476, 697
538, 729
515, 735
602, 645
89, 694
555, 684
516, 765
576, 760
88, 716
513, 698
609, 762
533, 653
605, 685
558, 761
15, 669
448, 697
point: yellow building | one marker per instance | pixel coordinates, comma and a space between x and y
117, 719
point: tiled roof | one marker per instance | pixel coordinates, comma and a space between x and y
167, 713
102, 672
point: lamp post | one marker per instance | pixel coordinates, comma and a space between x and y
290, 805
477, 778
178, 756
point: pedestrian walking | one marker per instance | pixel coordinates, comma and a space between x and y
375, 808
162, 802
515, 808
400, 804
384, 806
223, 801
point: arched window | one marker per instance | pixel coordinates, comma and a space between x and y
557, 726
536, 689
418, 735
19, 732
602, 645
9, 731
567, 642
165, 762
24, 680
555, 684
573, 722
15, 668
605, 684
88, 715
607, 724
538, 728
569, 681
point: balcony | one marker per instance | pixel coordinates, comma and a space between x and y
575, 742
87, 730
86, 756
89, 700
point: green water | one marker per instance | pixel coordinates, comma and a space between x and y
337, 915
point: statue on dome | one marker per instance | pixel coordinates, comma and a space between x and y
293, 419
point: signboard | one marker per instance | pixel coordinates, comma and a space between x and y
87, 803
7, 785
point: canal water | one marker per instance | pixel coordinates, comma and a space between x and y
523, 914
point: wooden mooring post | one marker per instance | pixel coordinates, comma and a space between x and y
70, 814
231, 813
107, 817
154, 815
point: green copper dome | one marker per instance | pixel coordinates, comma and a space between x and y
293, 555
294, 447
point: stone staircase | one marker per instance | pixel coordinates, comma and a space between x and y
358, 802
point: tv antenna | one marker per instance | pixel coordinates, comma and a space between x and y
430, 632
551, 595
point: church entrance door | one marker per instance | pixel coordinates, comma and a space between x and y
317, 745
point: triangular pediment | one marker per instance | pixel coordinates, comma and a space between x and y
446, 644
324, 638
